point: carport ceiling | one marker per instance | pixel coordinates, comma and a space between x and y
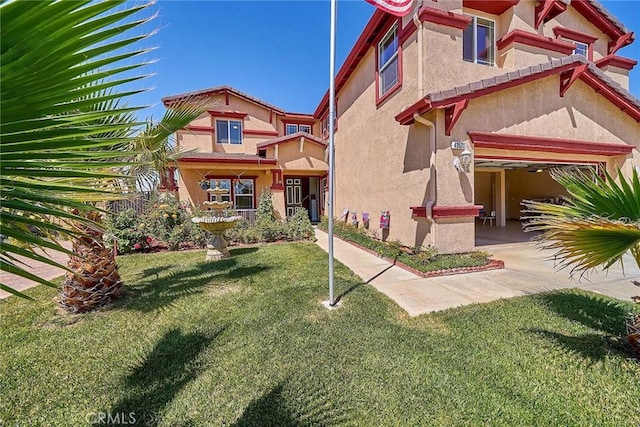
510, 165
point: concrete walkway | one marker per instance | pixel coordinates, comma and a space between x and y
526, 272
41, 269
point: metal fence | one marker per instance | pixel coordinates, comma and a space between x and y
247, 214
137, 202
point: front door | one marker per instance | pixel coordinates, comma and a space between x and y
293, 190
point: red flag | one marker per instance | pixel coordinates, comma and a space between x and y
394, 7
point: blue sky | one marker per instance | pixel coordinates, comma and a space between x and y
277, 51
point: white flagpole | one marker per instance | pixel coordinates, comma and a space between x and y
332, 160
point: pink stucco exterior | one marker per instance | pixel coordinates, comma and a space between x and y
535, 106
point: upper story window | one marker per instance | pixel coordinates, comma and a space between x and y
581, 48
228, 132
388, 62
293, 128
479, 41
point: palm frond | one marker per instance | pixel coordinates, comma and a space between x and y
597, 226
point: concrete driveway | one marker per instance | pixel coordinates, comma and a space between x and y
527, 271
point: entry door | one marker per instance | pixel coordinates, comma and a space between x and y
293, 188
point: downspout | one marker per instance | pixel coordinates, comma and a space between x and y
420, 27
432, 163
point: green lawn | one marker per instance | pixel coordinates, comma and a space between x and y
246, 342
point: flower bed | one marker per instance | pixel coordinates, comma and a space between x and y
425, 262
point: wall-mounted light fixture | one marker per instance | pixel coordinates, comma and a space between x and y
462, 162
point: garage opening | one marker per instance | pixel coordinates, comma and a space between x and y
501, 186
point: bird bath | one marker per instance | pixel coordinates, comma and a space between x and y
217, 224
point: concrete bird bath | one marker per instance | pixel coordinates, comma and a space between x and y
217, 224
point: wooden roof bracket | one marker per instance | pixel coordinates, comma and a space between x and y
452, 113
548, 9
569, 77
623, 40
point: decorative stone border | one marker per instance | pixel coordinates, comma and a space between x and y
494, 264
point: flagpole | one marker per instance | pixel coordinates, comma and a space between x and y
332, 160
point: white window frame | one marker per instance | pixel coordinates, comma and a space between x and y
474, 24
578, 44
394, 60
308, 127
286, 128
229, 122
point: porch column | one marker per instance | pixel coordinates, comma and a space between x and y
501, 199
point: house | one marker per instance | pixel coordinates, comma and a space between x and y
458, 109
244, 145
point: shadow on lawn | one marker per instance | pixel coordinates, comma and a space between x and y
156, 380
157, 291
287, 405
606, 317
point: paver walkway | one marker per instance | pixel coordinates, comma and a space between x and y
527, 271
41, 269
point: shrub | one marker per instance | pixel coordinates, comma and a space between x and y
265, 212
130, 233
299, 227
170, 222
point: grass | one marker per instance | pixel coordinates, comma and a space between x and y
421, 259
245, 342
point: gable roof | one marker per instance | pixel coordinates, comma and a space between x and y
590, 74
291, 137
226, 90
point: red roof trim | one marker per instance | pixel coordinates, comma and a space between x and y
256, 132
257, 161
547, 145
614, 97
616, 61
289, 138
597, 18
442, 17
535, 40
574, 35
230, 114
492, 7
198, 128
535, 159
547, 10
455, 211
620, 42
424, 105
378, 20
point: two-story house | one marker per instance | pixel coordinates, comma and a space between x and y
461, 106
244, 144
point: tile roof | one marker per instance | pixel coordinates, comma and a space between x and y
222, 89
609, 16
482, 87
291, 137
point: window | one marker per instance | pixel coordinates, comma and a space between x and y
581, 48
291, 129
305, 128
479, 40
297, 128
243, 194
240, 193
388, 62
228, 132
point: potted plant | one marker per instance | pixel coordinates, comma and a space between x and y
205, 184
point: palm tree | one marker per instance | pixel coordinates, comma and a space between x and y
598, 224
68, 139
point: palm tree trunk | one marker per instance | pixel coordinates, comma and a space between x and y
96, 280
